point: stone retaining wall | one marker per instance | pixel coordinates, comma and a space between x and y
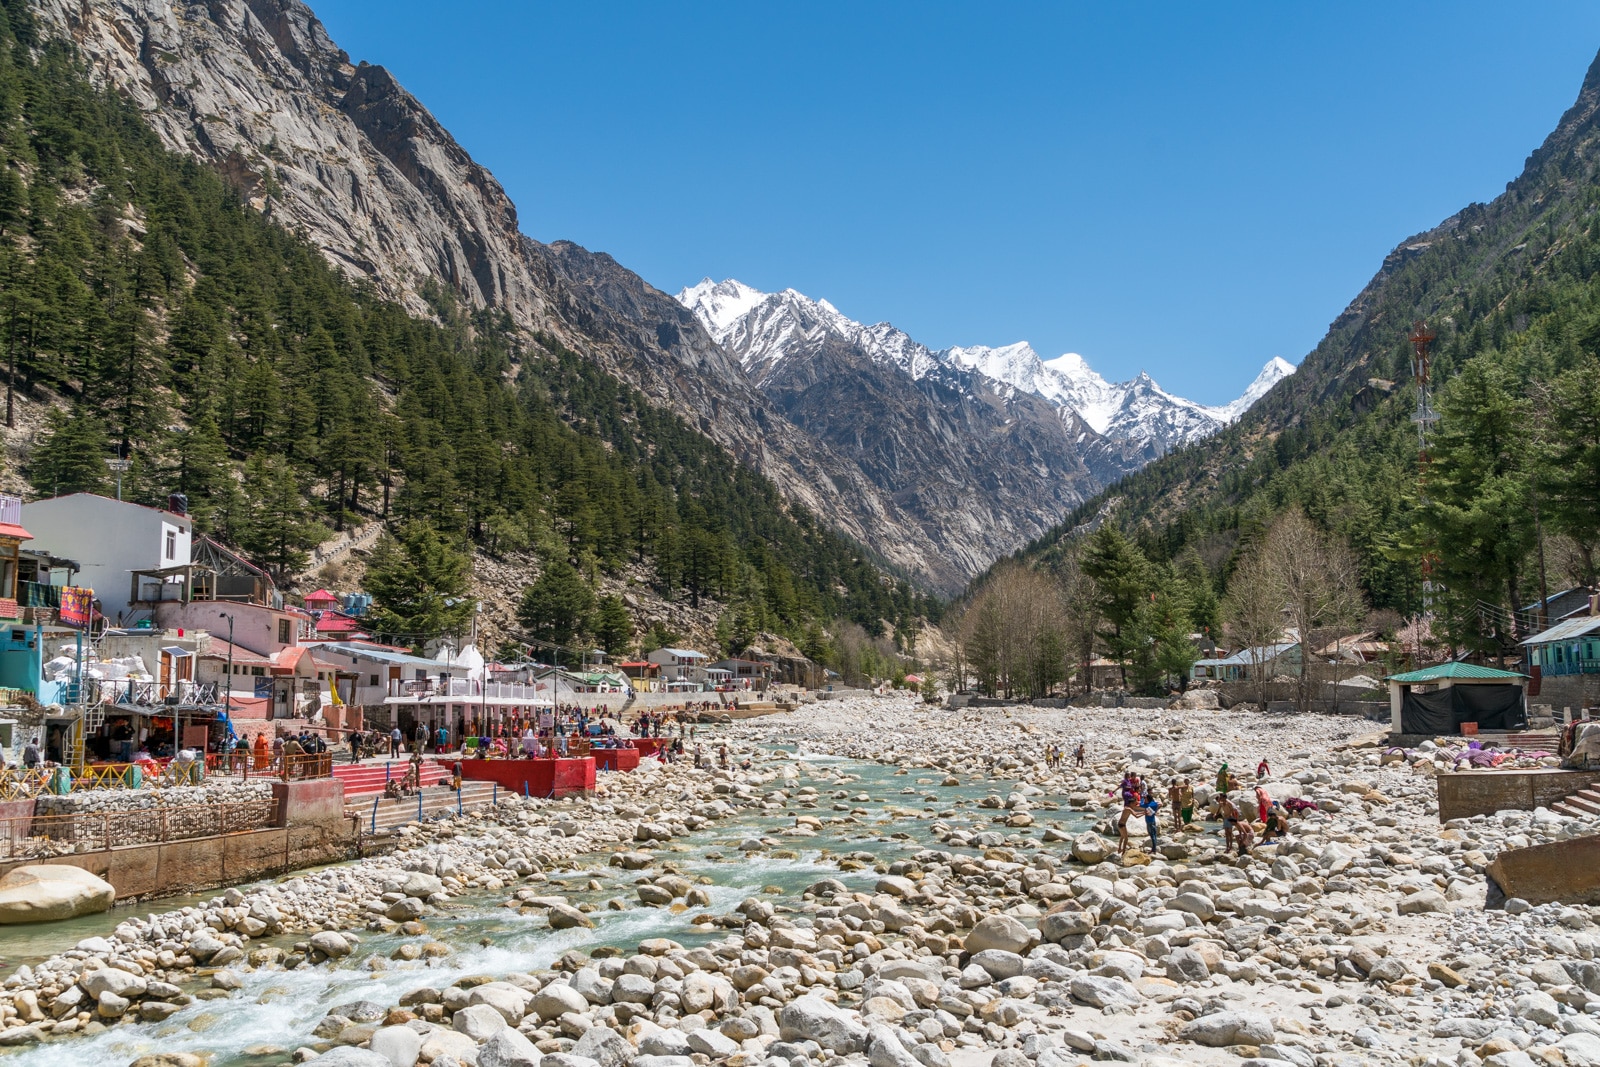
1463, 794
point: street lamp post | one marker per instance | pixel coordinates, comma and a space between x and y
227, 700
119, 465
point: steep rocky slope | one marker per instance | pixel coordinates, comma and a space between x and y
341, 152
1514, 278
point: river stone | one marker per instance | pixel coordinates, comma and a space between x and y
348, 1056
406, 909
605, 1046
554, 1001
1090, 848
111, 1006
810, 1018
399, 1045
884, 1049
1186, 965
998, 932
1069, 921
1427, 901
508, 1048
713, 1043
478, 1021
438, 1043
1099, 991
47, 892
999, 963
635, 989
566, 917
169, 1059
112, 980
509, 1000
421, 885
1580, 1050
665, 1043
653, 895
1224, 1028
330, 944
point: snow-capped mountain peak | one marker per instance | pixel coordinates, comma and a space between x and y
761, 328
1276, 370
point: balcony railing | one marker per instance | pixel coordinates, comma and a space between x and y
466, 689
183, 693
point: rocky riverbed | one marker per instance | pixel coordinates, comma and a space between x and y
951, 901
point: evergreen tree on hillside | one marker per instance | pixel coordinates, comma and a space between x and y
613, 628
1122, 580
421, 587
71, 457
280, 528
1477, 515
556, 607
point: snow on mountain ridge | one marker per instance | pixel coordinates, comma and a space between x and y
758, 328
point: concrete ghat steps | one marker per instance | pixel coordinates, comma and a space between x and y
1583, 802
403, 810
368, 778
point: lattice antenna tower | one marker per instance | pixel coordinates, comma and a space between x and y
1422, 340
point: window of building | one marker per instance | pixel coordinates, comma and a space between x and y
172, 544
374, 680
284, 633
258, 671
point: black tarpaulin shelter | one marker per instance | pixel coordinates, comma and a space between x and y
1491, 698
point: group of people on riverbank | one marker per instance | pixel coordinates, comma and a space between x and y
1239, 810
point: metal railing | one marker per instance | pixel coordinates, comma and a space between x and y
40, 836
151, 694
464, 687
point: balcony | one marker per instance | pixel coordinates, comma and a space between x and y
181, 693
466, 690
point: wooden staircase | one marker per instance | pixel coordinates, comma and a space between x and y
1585, 802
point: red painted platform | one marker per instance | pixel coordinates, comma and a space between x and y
536, 777
615, 759
649, 746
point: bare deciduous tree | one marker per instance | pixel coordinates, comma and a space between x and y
1316, 575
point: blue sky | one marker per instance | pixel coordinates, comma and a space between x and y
1187, 189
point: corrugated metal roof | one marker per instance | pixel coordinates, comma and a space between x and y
1455, 672
1566, 630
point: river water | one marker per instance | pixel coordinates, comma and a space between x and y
890, 817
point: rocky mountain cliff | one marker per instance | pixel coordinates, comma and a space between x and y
341, 152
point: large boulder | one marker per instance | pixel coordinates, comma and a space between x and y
999, 932
47, 892
1224, 1028
1090, 848
508, 1048
810, 1018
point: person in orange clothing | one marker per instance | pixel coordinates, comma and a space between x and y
261, 753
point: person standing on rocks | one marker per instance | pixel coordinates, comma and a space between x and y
1262, 770
1080, 754
1130, 804
1230, 819
1175, 803
1151, 809
1222, 778
1263, 802
1185, 802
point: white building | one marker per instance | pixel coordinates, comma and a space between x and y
680, 666
111, 539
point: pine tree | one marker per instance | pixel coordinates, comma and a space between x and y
556, 607
613, 628
71, 458
280, 527
420, 586
1121, 577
